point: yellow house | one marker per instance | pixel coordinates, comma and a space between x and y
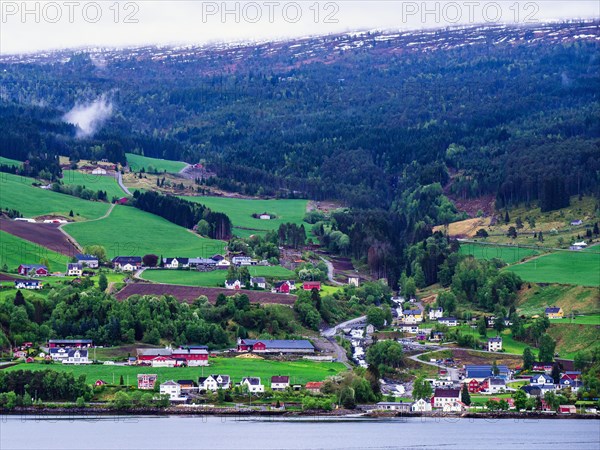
411, 316
554, 313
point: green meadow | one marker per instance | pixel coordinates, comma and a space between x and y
94, 182
509, 255
299, 372
17, 192
10, 162
15, 251
136, 162
564, 267
215, 278
240, 212
130, 231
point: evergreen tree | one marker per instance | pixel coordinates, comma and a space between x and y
19, 299
482, 326
506, 217
102, 282
465, 397
121, 380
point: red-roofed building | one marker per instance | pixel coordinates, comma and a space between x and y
314, 386
310, 285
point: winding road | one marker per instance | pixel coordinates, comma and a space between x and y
330, 272
72, 239
119, 178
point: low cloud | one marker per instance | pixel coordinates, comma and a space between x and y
89, 118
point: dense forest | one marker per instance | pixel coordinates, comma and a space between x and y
388, 124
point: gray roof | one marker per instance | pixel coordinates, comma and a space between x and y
81, 257
154, 352
258, 280
82, 353
553, 310
281, 343
205, 261
252, 380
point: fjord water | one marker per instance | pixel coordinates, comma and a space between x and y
212, 432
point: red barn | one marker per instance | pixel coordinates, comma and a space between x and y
310, 285
282, 287
33, 270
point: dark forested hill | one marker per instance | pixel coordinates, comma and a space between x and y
376, 120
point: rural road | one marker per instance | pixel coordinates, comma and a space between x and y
72, 239
330, 272
119, 178
329, 334
453, 372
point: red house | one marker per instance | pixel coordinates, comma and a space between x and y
474, 386
33, 270
282, 287
310, 285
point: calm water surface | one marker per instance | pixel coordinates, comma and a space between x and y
213, 432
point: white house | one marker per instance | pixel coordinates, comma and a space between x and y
90, 261
172, 389
241, 260
354, 281
494, 385
412, 316
74, 269
59, 353
176, 263
541, 379
443, 397
76, 356
253, 384
454, 406
233, 284
214, 382
421, 405
258, 282
28, 284
279, 383
223, 264
448, 321
99, 171
494, 344
436, 313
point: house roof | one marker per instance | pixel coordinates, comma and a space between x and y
205, 261
531, 390
186, 382
27, 282
69, 341
485, 371
314, 385
495, 339
447, 393
232, 281
34, 266
82, 353
255, 381
170, 383
127, 260
258, 280
181, 260
280, 343
547, 378
280, 379
82, 257
74, 266
552, 310
154, 352
495, 381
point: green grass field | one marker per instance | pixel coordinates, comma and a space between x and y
136, 162
94, 182
130, 231
572, 338
299, 372
10, 162
592, 319
212, 279
240, 212
564, 267
579, 299
16, 192
15, 251
509, 255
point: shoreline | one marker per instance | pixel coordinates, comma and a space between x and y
82, 413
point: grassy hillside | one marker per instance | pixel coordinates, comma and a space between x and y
16, 192
136, 162
11, 162
571, 338
507, 254
240, 212
212, 279
299, 371
564, 267
534, 300
94, 182
129, 231
15, 251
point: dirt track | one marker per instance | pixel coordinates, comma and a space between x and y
45, 234
191, 293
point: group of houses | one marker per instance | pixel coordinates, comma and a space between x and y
279, 287
215, 262
542, 383
180, 390
69, 351
183, 356
278, 346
